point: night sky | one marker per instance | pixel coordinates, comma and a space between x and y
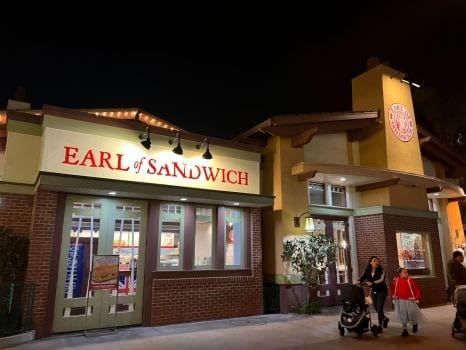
221, 72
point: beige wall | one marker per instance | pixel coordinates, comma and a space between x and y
22, 158
327, 149
2, 163
378, 89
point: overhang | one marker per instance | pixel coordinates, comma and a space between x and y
366, 178
102, 187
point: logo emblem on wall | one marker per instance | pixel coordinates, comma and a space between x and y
401, 122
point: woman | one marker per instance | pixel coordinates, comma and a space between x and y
374, 276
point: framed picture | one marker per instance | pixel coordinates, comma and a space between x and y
104, 272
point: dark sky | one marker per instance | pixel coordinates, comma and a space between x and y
236, 68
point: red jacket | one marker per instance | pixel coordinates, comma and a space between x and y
404, 288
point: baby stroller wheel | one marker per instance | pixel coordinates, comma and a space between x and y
375, 330
341, 329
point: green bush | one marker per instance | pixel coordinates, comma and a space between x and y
307, 308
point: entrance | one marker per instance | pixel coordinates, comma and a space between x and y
331, 281
100, 226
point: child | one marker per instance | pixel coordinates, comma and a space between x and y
405, 294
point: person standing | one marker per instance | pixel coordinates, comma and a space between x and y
405, 294
456, 277
374, 276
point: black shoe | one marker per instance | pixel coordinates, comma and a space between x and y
379, 329
405, 333
414, 328
385, 322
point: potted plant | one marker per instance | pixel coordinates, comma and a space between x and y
309, 256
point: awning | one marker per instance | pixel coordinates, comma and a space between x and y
366, 178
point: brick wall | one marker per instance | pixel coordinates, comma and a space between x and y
16, 212
196, 299
40, 254
376, 235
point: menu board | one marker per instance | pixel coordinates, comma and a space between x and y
104, 272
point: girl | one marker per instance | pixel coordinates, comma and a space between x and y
405, 294
374, 275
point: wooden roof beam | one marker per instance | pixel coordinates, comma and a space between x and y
304, 138
377, 185
307, 175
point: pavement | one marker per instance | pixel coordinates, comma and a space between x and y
273, 331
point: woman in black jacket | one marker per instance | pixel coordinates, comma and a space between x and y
374, 276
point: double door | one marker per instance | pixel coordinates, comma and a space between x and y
100, 226
339, 273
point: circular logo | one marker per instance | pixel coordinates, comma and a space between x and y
401, 122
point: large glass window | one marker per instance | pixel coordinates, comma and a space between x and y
316, 193
339, 238
234, 237
203, 243
171, 236
338, 196
414, 252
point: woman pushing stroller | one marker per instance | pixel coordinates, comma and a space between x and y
374, 276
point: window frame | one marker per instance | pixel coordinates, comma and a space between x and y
181, 217
415, 272
213, 239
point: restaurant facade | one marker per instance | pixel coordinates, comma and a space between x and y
186, 226
372, 180
198, 224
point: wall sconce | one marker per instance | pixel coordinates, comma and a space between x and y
178, 149
309, 226
145, 138
206, 154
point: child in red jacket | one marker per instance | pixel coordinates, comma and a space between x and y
405, 294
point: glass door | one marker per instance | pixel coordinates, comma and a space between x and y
106, 227
330, 281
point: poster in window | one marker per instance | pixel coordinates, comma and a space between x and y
411, 252
104, 272
167, 240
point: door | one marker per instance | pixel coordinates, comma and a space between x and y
100, 226
331, 281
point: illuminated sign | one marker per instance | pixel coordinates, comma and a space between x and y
73, 153
401, 123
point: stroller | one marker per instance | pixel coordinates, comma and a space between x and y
459, 301
355, 316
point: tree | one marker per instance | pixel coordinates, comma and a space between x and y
310, 256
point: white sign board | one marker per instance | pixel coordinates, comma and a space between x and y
73, 153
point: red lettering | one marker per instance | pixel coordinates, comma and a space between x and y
228, 176
176, 168
69, 155
164, 168
191, 176
209, 175
104, 158
89, 157
152, 169
243, 176
223, 175
119, 166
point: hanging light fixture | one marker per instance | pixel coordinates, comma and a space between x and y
178, 149
145, 138
206, 154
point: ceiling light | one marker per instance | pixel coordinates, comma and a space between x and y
112, 193
236, 203
183, 199
342, 179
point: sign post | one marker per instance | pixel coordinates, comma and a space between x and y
103, 275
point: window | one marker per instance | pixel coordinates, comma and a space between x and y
414, 252
339, 238
234, 238
171, 236
316, 193
338, 196
203, 242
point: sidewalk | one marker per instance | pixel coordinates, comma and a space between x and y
266, 332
